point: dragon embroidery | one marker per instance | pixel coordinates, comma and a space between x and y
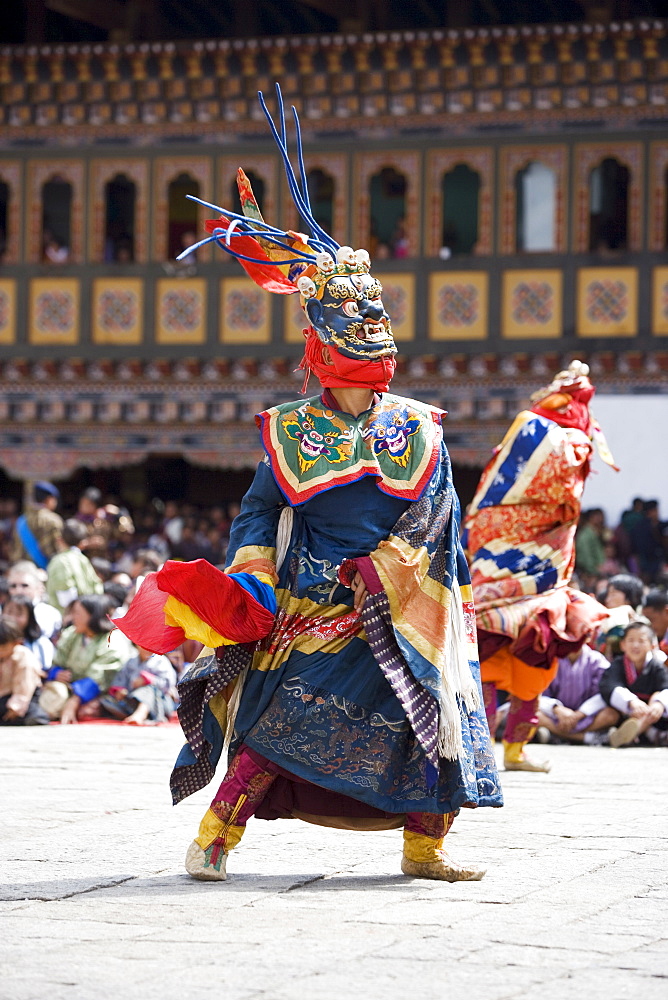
320, 433
390, 431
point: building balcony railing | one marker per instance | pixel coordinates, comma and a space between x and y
498, 76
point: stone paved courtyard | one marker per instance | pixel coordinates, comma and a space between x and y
95, 902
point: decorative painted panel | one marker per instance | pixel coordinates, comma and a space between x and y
294, 320
264, 167
11, 174
660, 301
39, 173
7, 310
399, 302
118, 305
365, 166
630, 154
54, 311
101, 172
442, 161
166, 170
458, 304
180, 313
607, 302
245, 312
658, 196
532, 304
514, 158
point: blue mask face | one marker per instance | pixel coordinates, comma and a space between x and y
351, 317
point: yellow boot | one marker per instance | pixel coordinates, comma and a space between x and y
514, 759
206, 858
424, 857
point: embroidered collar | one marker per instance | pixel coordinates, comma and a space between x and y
312, 448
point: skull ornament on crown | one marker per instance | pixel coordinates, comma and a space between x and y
349, 335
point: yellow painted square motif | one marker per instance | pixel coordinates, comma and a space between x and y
7, 311
54, 311
458, 303
607, 302
180, 311
294, 320
118, 305
399, 301
245, 312
532, 304
660, 301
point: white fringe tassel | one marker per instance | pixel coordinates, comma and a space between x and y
456, 681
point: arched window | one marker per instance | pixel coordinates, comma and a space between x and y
120, 195
321, 187
536, 215
387, 192
56, 220
257, 185
461, 199
608, 206
4, 218
182, 215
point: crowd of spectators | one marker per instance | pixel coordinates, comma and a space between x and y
62, 581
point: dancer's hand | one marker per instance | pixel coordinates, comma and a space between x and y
359, 590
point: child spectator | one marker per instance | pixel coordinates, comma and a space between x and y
622, 597
19, 680
572, 708
636, 684
655, 609
21, 611
143, 690
85, 662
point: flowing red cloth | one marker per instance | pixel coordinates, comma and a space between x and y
216, 598
343, 371
266, 275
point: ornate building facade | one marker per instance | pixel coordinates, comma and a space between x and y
511, 184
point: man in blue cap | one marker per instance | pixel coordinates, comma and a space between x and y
38, 534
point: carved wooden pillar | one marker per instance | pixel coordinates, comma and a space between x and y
475, 46
82, 65
650, 34
505, 43
110, 64
534, 40
30, 71
138, 64
166, 63
593, 40
56, 69
563, 41
446, 55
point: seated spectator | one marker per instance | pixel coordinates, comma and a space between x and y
86, 661
143, 690
21, 611
70, 574
572, 708
19, 680
655, 609
24, 578
119, 595
622, 597
636, 685
103, 568
144, 561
